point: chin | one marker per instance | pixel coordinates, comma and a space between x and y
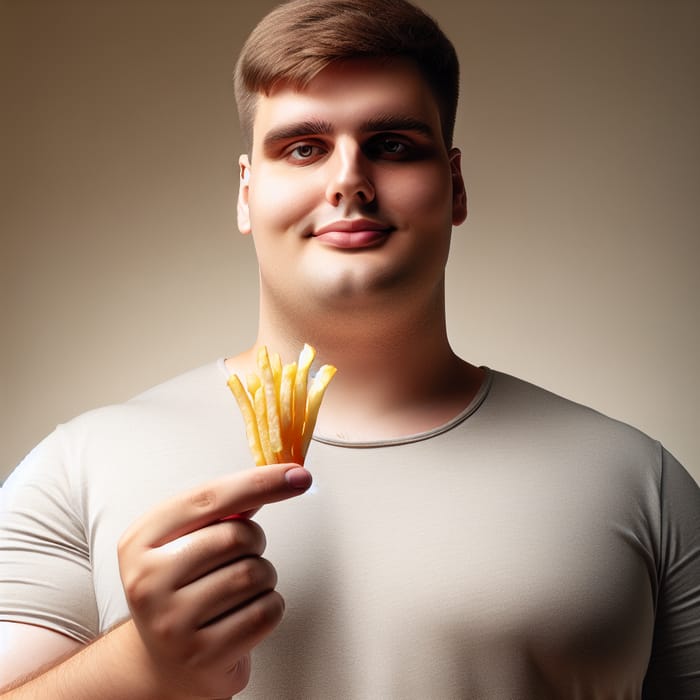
357, 285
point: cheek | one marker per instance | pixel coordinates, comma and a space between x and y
276, 205
424, 197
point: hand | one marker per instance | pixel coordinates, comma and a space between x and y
200, 594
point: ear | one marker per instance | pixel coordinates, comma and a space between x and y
242, 209
459, 192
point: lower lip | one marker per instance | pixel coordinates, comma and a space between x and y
353, 239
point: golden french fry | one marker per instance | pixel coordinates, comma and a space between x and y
279, 408
306, 357
253, 382
260, 406
276, 366
271, 400
287, 408
313, 403
251, 425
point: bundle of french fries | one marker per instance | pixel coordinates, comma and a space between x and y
279, 407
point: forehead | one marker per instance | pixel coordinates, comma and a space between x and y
349, 94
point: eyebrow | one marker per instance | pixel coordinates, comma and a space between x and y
311, 127
397, 122
307, 127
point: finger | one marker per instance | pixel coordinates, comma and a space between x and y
234, 493
198, 553
224, 591
236, 634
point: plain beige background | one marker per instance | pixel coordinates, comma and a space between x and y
577, 267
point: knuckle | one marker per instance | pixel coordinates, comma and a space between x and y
267, 611
168, 628
268, 574
249, 574
242, 536
203, 498
260, 481
259, 539
138, 589
124, 544
230, 535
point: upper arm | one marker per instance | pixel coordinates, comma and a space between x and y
25, 649
674, 667
47, 576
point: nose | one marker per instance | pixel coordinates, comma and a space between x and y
349, 177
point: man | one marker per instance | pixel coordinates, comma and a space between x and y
467, 534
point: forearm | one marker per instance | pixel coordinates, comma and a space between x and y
201, 597
115, 666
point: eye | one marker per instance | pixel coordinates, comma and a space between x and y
393, 146
304, 152
390, 147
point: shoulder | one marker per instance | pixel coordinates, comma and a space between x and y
197, 385
158, 429
192, 395
539, 408
545, 424
168, 438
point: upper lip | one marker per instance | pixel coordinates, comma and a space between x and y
352, 225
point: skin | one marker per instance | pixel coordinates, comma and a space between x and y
200, 593
371, 299
399, 178
362, 142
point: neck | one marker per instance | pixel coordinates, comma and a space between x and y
397, 374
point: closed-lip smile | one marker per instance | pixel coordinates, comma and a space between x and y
353, 233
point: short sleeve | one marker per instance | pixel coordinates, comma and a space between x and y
674, 666
46, 576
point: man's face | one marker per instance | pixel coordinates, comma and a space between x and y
350, 191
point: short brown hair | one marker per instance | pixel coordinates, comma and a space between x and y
298, 39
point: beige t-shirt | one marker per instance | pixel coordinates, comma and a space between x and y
531, 548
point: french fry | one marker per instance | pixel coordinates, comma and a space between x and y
260, 406
251, 423
269, 387
289, 373
306, 357
313, 403
253, 382
276, 366
279, 408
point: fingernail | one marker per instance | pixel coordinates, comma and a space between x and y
298, 478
